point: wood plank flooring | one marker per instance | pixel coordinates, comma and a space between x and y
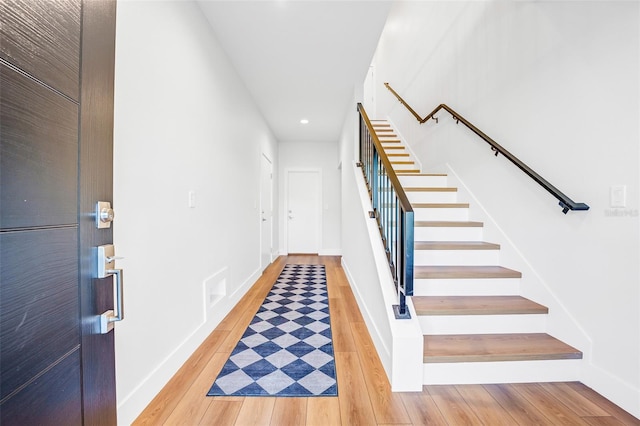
365, 396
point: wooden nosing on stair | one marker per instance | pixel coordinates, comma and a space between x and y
476, 305
398, 154
390, 140
463, 272
403, 162
392, 147
496, 347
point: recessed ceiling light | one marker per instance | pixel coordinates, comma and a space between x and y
304, 121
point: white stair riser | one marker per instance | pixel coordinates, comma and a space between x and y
483, 324
400, 167
467, 287
430, 181
432, 197
441, 213
566, 370
456, 257
428, 233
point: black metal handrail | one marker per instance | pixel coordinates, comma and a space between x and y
391, 209
565, 202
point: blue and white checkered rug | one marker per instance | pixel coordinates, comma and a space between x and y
287, 349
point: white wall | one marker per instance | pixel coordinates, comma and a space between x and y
183, 122
314, 155
556, 83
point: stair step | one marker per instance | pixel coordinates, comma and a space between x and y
388, 140
455, 271
383, 129
386, 148
430, 189
403, 162
398, 154
431, 174
455, 245
476, 305
440, 205
431, 195
440, 211
448, 224
466, 287
421, 179
380, 124
495, 347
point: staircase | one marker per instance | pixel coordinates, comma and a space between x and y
476, 326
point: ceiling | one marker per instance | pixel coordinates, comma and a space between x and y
300, 58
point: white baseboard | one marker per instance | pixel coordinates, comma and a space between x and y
621, 393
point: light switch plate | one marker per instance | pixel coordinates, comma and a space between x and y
618, 196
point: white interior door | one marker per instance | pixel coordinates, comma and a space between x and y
266, 212
303, 211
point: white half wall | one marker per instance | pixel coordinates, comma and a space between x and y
322, 156
558, 85
184, 124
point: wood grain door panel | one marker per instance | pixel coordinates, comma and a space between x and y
39, 154
53, 398
39, 306
42, 37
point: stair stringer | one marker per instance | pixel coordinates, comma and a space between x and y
559, 323
398, 342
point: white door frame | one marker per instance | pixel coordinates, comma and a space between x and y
269, 221
318, 227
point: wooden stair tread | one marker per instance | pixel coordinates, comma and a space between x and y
448, 224
464, 271
393, 147
440, 205
476, 305
408, 172
455, 245
390, 140
398, 154
383, 129
403, 162
495, 347
430, 189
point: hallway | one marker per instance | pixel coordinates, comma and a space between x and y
365, 397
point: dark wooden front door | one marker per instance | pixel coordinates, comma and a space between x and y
56, 128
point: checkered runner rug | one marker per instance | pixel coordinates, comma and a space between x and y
287, 349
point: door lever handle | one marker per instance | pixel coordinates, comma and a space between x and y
106, 268
117, 313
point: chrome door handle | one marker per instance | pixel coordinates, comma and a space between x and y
106, 268
117, 313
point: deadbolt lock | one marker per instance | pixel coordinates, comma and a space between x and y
104, 214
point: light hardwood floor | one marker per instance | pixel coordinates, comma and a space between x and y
365, 397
